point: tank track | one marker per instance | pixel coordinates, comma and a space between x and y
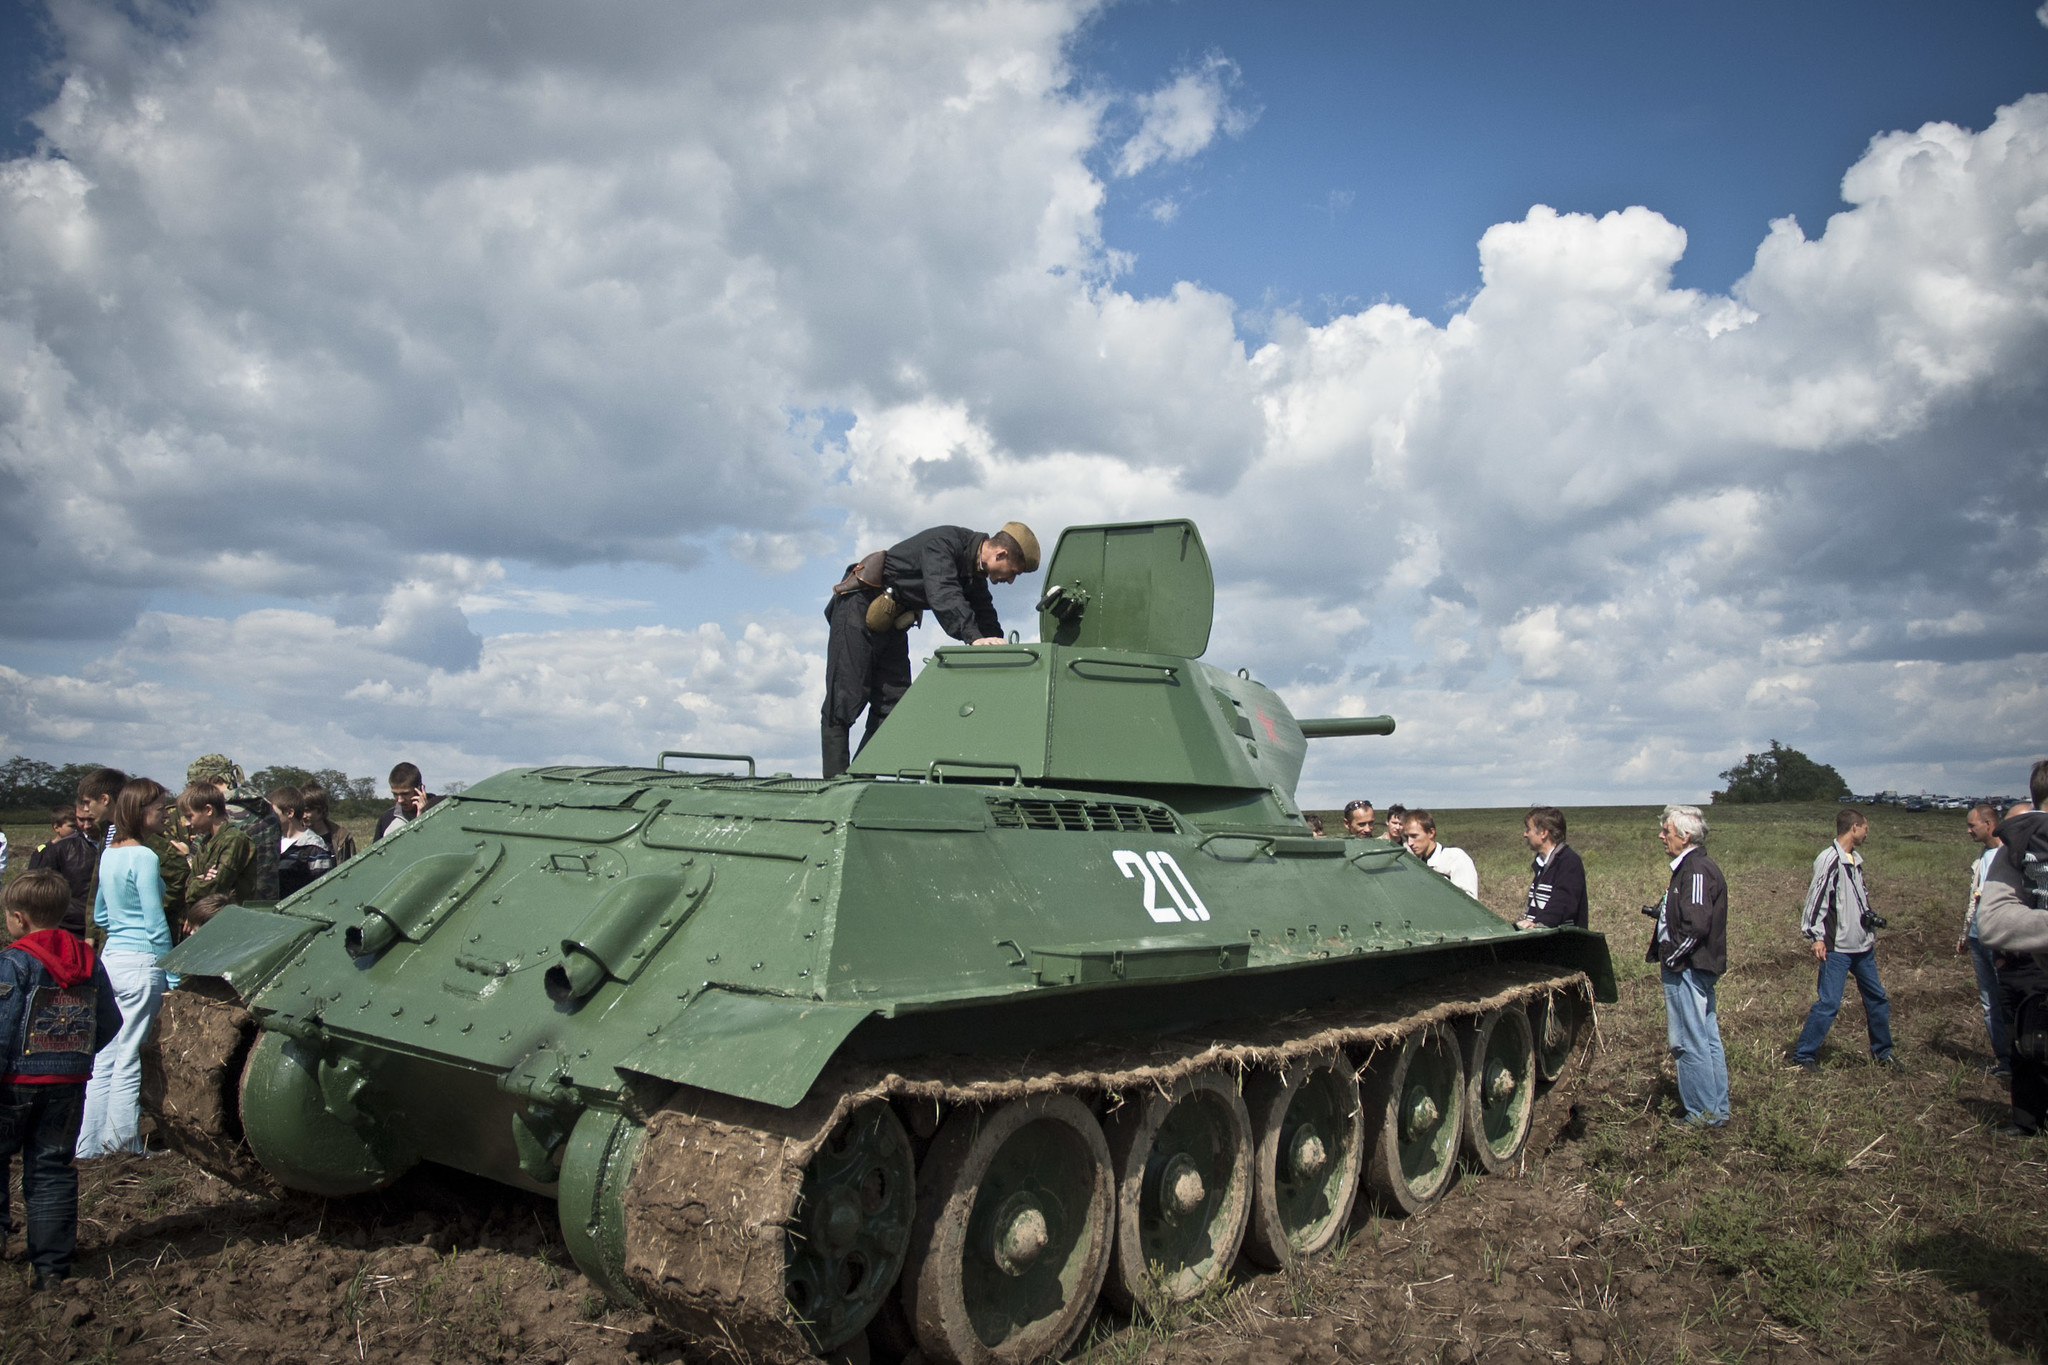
709, 1206
193, 1087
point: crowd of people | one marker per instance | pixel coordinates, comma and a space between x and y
1557, 881
2004, 933
127, 871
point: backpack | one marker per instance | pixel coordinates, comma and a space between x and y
2026, 849
2030, 1028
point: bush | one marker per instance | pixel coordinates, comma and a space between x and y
1781, 774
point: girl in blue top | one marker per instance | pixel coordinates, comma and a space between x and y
130, 907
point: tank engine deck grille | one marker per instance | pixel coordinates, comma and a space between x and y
1114, 817
796, 786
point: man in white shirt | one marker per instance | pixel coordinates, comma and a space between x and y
1419, 831
1981, 823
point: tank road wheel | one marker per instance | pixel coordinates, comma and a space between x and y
1555, 1020
1414, 1110
1013, 1232
1184, 1189
1500, 1086
851, 1227
1306, 1160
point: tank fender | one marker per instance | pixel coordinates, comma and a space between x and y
627, 928
420, 897
301, 1119
759, 1047
243, 946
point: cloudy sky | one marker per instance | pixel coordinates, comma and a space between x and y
1603, 389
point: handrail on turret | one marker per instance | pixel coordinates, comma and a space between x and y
1338, 726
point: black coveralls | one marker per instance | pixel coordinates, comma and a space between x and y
937, 571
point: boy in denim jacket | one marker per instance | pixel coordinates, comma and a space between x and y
56, 1011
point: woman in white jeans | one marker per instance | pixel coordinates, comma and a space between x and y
130, 907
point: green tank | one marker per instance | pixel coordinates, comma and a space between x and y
1052, 999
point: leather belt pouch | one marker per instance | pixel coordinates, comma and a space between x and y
864, 576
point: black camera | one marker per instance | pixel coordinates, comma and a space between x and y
1872, 920
1654, 910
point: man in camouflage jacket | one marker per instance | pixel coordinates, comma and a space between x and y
251, 813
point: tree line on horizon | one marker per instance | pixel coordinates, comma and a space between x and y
31, 784
1779, 773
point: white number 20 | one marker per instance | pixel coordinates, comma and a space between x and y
1159, 869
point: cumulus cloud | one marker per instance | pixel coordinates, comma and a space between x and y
298, 686
1183, 116
349, 308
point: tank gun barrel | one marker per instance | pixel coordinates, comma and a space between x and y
1337, 726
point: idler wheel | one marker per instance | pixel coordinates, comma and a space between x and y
1500, 1086
1184, 1189
1013, 1232
851, 1227
1555, 1018
1306, 1159
1414, 1109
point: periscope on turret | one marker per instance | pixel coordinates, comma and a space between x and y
1052, 998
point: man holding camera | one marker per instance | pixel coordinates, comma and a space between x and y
1843, 929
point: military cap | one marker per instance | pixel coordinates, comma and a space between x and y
1028, 543
215, 768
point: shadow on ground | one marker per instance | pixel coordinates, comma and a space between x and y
2009, 1283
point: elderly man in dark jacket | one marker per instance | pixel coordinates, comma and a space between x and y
1691, 944
946, 571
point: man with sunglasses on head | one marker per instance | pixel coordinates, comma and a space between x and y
1358, 816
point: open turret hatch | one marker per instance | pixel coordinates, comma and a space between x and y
1145, 587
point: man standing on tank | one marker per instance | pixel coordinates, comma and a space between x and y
946, 571
1691, 945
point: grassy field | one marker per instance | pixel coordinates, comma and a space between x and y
1857, 1213
1869, 1212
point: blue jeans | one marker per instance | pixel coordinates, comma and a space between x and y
41, 1123
1987, 996
1694, 1031
113, 1097
1835, 969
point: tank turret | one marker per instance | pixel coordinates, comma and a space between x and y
1051, 998
1113, 696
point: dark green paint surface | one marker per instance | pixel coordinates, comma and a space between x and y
1093, 836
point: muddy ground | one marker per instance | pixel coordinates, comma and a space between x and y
1857, 1214
174, 1263
1544, 1265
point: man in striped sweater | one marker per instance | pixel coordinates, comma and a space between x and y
1691, 945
